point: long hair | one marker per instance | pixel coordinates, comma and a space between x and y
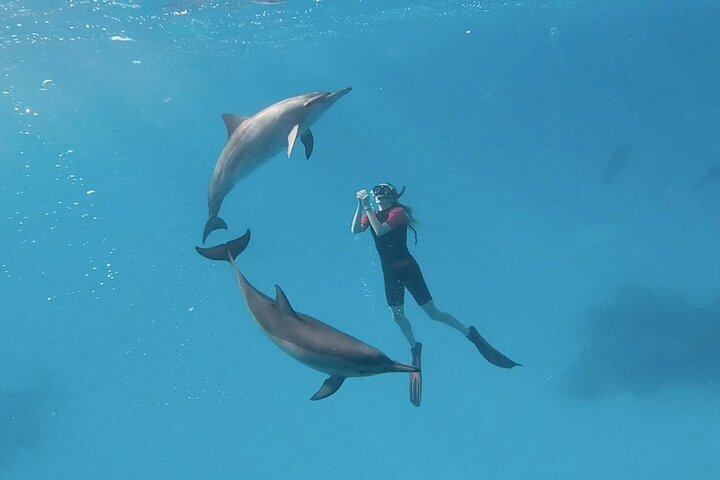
411, 221
408, 212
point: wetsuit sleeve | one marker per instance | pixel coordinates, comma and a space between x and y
364, 222
396, 217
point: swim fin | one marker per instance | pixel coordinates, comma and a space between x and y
489, 352
416, 377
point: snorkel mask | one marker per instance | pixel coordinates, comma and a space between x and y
387, 190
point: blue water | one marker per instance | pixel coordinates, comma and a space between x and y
559, 157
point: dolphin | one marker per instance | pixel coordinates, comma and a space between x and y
254, 140
306, 339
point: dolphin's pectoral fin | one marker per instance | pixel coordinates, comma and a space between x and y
213, 223
307, 139
283, 304
329, 387
232, 121
292, 138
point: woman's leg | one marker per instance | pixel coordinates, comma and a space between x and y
415, 283
417, 286
488, 351
398, 313
395, 296
444, 317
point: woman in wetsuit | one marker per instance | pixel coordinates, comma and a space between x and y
389, 225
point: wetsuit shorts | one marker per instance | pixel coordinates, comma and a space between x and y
401, 274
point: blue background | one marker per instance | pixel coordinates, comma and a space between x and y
562, 160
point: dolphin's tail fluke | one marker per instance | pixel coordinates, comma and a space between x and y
213, 223
224, 251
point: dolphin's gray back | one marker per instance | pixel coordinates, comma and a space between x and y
311, 334
326, 340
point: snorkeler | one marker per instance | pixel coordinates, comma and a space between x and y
389, 225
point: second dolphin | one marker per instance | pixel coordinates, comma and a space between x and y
303, 337
254, 140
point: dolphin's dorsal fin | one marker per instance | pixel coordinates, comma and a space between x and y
292, 138
283, 304
232, 121
307, 139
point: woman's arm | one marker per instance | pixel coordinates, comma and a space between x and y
357, 226
380, 229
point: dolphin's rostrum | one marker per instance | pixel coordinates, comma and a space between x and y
303, 337
254, 140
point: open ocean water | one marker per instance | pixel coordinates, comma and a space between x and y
563, 161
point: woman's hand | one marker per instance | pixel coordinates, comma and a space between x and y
363, 199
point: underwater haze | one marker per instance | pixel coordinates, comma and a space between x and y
562, 159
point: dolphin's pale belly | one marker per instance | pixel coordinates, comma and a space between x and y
251, 150
246, 150
332, 365
246, 153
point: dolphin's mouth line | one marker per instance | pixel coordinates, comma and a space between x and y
339, 93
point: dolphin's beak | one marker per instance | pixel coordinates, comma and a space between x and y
333, 97
402, 367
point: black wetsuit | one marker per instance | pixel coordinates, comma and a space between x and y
400, 270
